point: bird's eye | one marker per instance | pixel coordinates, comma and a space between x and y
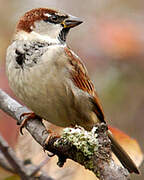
54, 18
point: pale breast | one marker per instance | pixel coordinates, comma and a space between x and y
47, 90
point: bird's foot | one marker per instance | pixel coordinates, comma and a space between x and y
50, 136
29, 116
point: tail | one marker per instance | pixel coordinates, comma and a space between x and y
122, 155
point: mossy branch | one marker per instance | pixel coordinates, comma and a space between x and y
90, 149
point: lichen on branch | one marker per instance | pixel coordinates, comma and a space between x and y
81, 150
86, 142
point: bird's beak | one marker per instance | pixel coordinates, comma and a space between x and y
71, 22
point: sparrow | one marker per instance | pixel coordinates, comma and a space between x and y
50, 79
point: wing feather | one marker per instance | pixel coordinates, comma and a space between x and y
82, 81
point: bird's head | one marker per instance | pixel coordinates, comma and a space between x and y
46, 25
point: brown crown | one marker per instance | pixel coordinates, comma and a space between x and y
31, 16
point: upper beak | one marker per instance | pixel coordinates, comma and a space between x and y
71, 22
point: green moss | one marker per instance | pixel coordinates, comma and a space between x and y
89, 165
84, 141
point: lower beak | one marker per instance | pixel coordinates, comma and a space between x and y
71, 22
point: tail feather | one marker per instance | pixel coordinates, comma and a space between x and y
122, 155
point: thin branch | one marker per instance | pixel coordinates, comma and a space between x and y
11, 163
38, 168
5, 164
12, 159
100, 162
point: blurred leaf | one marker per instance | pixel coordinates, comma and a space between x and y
129, 144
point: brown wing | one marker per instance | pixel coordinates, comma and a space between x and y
82, 81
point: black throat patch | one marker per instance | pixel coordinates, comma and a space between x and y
63, 35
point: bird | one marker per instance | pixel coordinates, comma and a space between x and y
50, 79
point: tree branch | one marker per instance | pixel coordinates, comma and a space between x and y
12, 159
5, 164
98, 156
11, 163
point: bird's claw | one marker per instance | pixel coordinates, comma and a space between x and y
29, 115
50, 135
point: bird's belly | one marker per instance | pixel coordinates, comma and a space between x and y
56, 104
53, 97
49, 98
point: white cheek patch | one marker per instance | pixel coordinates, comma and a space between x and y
46, 38
36, 36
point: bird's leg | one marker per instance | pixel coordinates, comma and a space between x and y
51, 134
29, 115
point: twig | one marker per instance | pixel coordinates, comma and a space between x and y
13, 160
103, 167
29, 170
5, 164
37, 168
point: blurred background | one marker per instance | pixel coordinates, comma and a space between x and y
110, 42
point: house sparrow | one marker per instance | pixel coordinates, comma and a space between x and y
51, 79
